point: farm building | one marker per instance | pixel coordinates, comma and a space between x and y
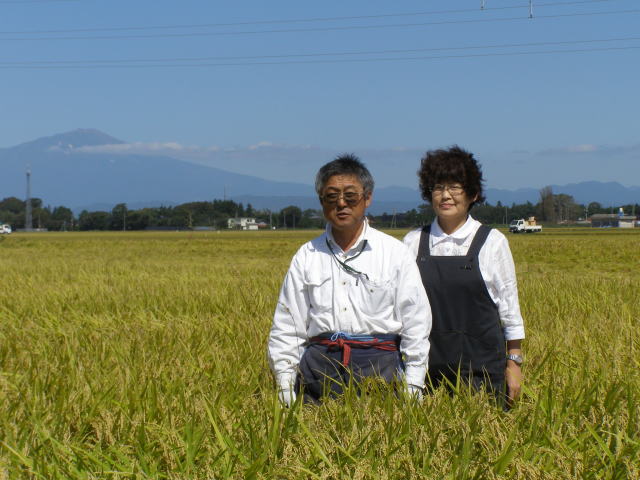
242, 223
614, 220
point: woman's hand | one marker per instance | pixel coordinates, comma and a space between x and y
513, 375
513, 372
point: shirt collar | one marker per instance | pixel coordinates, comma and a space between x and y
437, 235
364, 236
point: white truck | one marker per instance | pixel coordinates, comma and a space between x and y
525, 226
5, 228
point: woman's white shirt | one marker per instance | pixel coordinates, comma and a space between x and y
496, 266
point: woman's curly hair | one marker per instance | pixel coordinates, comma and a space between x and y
452, 165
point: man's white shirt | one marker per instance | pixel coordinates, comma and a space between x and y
319, 295
496, 266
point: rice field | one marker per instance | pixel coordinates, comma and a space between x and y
142, 355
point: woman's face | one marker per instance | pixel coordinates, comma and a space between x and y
450, 202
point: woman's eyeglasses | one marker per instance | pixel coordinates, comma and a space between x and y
454, 190
350, 198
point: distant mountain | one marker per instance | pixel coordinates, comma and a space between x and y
508, 197
606, 193
82, 137
64, 174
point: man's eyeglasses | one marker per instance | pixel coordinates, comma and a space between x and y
350, 198
454, 190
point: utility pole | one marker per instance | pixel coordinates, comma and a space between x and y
28, 223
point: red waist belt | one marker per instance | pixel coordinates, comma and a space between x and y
345, 342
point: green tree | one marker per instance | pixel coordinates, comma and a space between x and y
411, 219
138, 219
546, 207
94, 220
226, 207
311, 219
119, 217
291, 216
41, 217
595, 207
426, 214
523, 210
566, 209
61, 219
12, 212
13, 205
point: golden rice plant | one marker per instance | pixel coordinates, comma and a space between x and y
142, 355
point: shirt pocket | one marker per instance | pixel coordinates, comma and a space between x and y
375, 298
320, 290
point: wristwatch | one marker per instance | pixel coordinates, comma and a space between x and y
517, 359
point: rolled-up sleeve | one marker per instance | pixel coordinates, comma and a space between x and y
413, 309
506, 290
289, 329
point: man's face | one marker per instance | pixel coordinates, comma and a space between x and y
339, 213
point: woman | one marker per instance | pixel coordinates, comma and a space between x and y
468, 273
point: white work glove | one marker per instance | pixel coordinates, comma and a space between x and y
415, 391
286, 397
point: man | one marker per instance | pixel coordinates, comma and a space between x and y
352, 304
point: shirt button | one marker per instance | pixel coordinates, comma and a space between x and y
344, 309
344, 283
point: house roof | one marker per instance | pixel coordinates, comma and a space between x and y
611, 216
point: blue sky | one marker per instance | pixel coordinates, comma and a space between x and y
532, 119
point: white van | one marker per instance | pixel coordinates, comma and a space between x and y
5, 228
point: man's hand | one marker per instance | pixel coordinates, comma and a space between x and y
513, 375
287, 397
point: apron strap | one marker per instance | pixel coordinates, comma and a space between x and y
478, 241
423, 249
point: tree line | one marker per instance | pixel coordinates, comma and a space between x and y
551, 208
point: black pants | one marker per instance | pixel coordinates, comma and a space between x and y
321, 372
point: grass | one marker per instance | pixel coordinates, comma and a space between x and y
142, 355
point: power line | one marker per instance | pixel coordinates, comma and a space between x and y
4, 2
319, 29
295, 20
316, 54
351, 60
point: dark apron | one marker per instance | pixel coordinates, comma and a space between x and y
322, 370
466, 336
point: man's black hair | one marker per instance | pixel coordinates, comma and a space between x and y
345, 164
